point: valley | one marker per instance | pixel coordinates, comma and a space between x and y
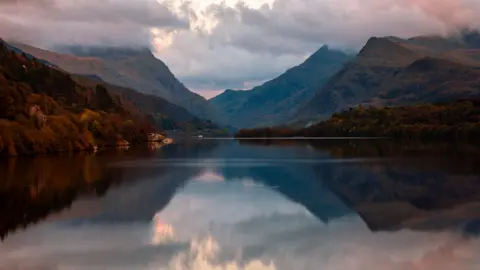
403, 74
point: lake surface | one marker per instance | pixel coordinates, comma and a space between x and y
253, 205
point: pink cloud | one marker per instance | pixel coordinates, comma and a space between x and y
454, 13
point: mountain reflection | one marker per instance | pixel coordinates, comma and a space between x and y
32, 188
232, 205
414, 185
390, 185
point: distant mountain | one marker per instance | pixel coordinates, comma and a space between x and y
397, 71
165, 114
137, 69
276, 101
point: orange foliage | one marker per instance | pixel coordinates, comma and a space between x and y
43, 110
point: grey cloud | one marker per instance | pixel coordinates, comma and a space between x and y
290, 30
52, 34
38, 3
16, 31
247, 44
119, 22
317, 22
147, 14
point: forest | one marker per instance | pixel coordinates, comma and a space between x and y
455, 120
43, 109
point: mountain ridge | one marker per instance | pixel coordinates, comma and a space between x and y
137, 69
383, 68
274, 101
165, 114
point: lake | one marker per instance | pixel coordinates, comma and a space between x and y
249, 204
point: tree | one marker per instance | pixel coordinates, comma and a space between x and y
104, 100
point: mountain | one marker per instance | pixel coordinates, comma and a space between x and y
275, 101
45, 109
166, 114
397, 71
136, 68
26, 55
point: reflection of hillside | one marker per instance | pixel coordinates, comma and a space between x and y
420, 186
371, 147
455, 158
34, 188
139, 200
297, 182
388, 196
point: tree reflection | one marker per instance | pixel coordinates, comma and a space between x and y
399, 184
33, 187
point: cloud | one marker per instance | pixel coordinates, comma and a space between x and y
38, 3
243, 43
454, 13
213, 44
118, 22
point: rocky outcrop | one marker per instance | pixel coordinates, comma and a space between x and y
156, 137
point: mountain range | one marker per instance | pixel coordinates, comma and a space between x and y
394, 71
276, 101
164, 114
134, 68
387, 71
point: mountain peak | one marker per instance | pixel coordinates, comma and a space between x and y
375, 44
387, 50
325, 53
322, 51
324, 48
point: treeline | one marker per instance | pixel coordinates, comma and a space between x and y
456, 120
42, 109
165, 115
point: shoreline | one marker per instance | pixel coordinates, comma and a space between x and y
122, 146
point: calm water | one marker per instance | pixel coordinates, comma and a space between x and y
228, 205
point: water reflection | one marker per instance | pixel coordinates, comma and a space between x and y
33, 187
250, 205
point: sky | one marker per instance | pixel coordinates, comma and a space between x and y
212, 45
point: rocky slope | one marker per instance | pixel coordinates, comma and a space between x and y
45, 109
137, 69
396, 71
275, 101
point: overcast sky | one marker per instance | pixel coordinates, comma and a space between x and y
213, 45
